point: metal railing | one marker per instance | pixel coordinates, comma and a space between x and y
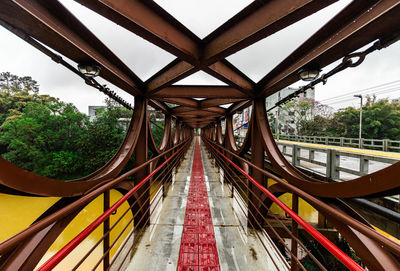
373, 144
254, 194
140, 211
331, 160
161, 173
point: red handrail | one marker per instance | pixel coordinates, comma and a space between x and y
340, 255
62, 253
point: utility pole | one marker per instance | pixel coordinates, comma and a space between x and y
360, 133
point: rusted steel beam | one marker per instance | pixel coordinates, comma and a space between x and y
214, 109
197, 113
259, 20
216, 102
251, 25
181, 101
357, 25
199, 92
226, 72
160, 105
198, 118
56, 27
168, 75
150, 23
238, 106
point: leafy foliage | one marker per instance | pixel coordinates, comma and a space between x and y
381, 119
51, 138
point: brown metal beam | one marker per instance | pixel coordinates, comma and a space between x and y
56, 27
215, 102
152, 23
251, 25
238, 106
170, 74
160, 105
215, 109
259, 20
197, 113
199, 92
357, 25
180, 101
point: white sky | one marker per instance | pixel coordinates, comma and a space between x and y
144, 58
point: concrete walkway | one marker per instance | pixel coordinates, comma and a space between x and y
238, 249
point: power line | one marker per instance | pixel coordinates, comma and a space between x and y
350, 99
370, 89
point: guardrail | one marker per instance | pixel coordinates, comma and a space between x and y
373, 144
256, 215
332, 161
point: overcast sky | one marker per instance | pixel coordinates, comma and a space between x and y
202, 17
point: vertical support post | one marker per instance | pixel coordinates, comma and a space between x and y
385, 145
140, 158
295, 231
106, 228
364, 165
257, 158
332, 164
219, 132
311, 155
295, 155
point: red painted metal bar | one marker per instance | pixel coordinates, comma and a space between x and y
62, 253
198, 249
340, 255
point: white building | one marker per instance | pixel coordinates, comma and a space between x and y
286, 120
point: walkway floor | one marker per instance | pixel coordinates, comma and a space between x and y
198, 249
238, 248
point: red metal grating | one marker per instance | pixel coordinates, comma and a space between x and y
198, 249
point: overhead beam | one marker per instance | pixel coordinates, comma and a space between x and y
153, 25
215, 102
257, 21
199, 92
180, 101
151, 22
215, 109
355, 26
160, 105
197, 113
53, 25
170, 74
238, 106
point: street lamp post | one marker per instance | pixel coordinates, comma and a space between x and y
360, 133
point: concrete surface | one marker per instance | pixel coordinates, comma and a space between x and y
238, 248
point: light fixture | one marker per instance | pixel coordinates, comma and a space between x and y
308, 74
89, 69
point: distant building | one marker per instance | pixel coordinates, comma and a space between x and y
286, 121
270, 101
92, 111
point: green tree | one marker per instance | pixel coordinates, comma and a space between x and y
45, 139
308, 115
51, 138
381, 120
